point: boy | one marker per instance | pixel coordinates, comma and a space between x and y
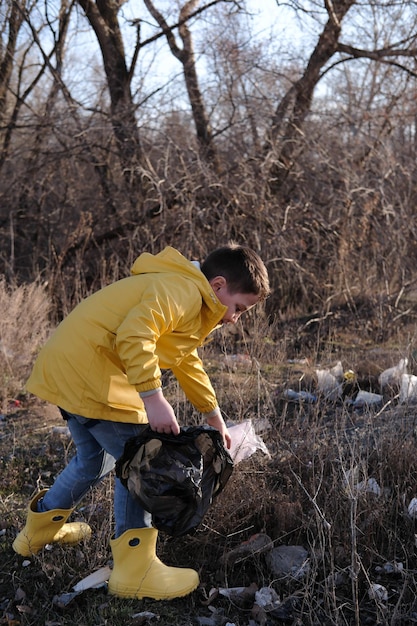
102, 368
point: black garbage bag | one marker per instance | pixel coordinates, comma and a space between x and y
175, 477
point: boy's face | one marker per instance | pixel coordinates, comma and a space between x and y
237, 303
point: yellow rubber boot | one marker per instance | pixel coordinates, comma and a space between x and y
138, 573
48, 527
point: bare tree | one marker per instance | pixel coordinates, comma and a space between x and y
300, 172
11, 100
287, 122
103, 18
185, 55
10, 26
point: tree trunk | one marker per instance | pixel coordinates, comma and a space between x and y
186, 56
288, 121
102, 16
14, 22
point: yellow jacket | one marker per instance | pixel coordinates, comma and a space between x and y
115, 342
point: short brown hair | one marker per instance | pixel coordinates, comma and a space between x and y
241, 266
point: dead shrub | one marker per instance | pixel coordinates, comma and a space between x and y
24, 326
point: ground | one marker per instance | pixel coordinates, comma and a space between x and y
305, 493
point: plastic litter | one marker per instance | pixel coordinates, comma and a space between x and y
408, 389
392, 376
394, 567
245, 441
378, 592
337, 371
369, 486
304, 396
243, 597
328, 384
175, 477
349, 376
95, 580
367, 398
412, 508
231, 592
267, 598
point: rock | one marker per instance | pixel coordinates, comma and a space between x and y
292, 561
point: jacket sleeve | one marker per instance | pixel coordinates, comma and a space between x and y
161, 311
195, 383
135, 342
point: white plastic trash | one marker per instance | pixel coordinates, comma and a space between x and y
392, 376
94, 580
378, 592
367, 398
306, 396
412, 508
337, 371
408, 389
369, 486
267, 598
328, 385
245, 441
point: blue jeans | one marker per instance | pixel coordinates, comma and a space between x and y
98, 444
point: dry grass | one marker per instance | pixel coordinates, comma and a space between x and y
24, 326
308, 493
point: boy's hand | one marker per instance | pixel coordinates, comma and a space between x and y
161, 416
216, 421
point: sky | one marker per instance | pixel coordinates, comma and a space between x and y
267, 17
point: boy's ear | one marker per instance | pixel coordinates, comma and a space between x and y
217, 282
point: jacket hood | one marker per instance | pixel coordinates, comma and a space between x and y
171, 261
